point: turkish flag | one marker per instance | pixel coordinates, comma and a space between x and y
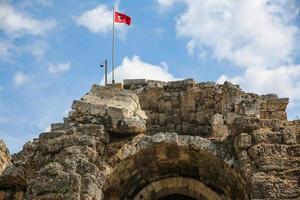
122, 18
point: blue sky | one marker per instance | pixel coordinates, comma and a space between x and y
50, 51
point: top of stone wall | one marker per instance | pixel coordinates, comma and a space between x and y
182, 106
270, 105
171, 84
177, 84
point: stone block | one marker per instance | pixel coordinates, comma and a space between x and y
185, 127
250, 108
242, 142
259, 136
175, 102
156, 84
174, 84
171, 127
274, 104
245, 163
117, 113
73, 114
204, 130
192, 117
79, 106
168, 107
217, 119
134, 82
178, 129
161, 106
162, 119
191, 104
115, 85
132, 125
245, 124
201, 117
219, 131
176, 111
288, 136
167, 96
176, 119
281, 115
269, 96
56, 126
189, 81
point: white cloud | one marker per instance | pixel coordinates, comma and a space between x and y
9, 50
135, 68
37, 48
20, 79
17, 23
284, 80
166, 3
249, 33
98, 20
59, 68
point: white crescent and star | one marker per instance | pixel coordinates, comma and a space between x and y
120, 18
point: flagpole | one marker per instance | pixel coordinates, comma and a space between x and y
113, 49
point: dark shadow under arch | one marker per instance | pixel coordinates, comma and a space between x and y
176, 197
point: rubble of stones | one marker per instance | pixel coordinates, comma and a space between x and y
74, 159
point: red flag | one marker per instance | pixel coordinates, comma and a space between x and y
122, 18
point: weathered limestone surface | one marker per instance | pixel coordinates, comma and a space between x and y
5, 158
152, 139
119, 110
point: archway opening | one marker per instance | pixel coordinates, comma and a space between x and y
156, 167
177, 197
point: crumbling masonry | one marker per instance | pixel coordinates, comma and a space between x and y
156, 140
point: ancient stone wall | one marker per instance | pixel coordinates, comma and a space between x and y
153, 139
204, 109
269, 157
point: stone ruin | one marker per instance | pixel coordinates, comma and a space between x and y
147, 140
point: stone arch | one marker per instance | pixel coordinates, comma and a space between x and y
166, 157
177, 185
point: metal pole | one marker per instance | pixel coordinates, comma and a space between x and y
105, 71
113, 49
104, 64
